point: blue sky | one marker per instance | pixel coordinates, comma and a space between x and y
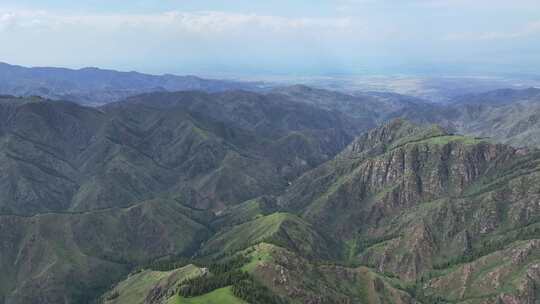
275, 37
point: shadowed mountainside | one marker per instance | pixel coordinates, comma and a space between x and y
95, 86
88, 193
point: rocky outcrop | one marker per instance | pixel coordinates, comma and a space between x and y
409, 200
507, 276
301, 280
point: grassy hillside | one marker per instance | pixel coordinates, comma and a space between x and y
91, 193
409, 212
415, 215
285, 273
218, 296
283, 229
303, 281
142, 286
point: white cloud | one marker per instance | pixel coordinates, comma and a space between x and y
195, 22
185, 38
530, 29
461, 4
482, 4
372, 35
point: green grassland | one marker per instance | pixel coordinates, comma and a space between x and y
218, 296
137, 286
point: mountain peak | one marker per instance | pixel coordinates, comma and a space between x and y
390, 135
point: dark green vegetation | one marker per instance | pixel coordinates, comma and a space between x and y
229, 273
432, 209
88, 194
236, 196
404, 214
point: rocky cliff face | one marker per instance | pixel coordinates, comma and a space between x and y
391, 169
413, 201
299, 279
404, 214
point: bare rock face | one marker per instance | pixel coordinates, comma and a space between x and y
412, 201
302, 280
510, 269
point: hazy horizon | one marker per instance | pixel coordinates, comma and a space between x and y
334, 37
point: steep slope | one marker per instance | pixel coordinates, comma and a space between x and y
89, 193
39, 144
70, 258
303, 281
148, 286
283, 229
405, 214
409, 200
285, 273
413, 213
510, 275
60, 156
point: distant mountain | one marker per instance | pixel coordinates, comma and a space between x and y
509, 116
367, 109
95, 86
499, 97
437, 89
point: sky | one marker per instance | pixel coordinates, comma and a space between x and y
275, 37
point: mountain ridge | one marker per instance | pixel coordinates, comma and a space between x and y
94, 86
428, 218
382, 210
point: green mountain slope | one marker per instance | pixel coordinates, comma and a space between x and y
89, 194
148, 285
286, 274
402, 213
59, 156
286, 230
218, 296
415, 202
303, 281
76, 255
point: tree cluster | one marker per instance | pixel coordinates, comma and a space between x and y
205, 284
229, 273
253, 292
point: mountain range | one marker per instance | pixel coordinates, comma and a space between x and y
286, 195
94, 86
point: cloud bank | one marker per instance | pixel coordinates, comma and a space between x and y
356, 36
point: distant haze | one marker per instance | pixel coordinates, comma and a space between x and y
429, 37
